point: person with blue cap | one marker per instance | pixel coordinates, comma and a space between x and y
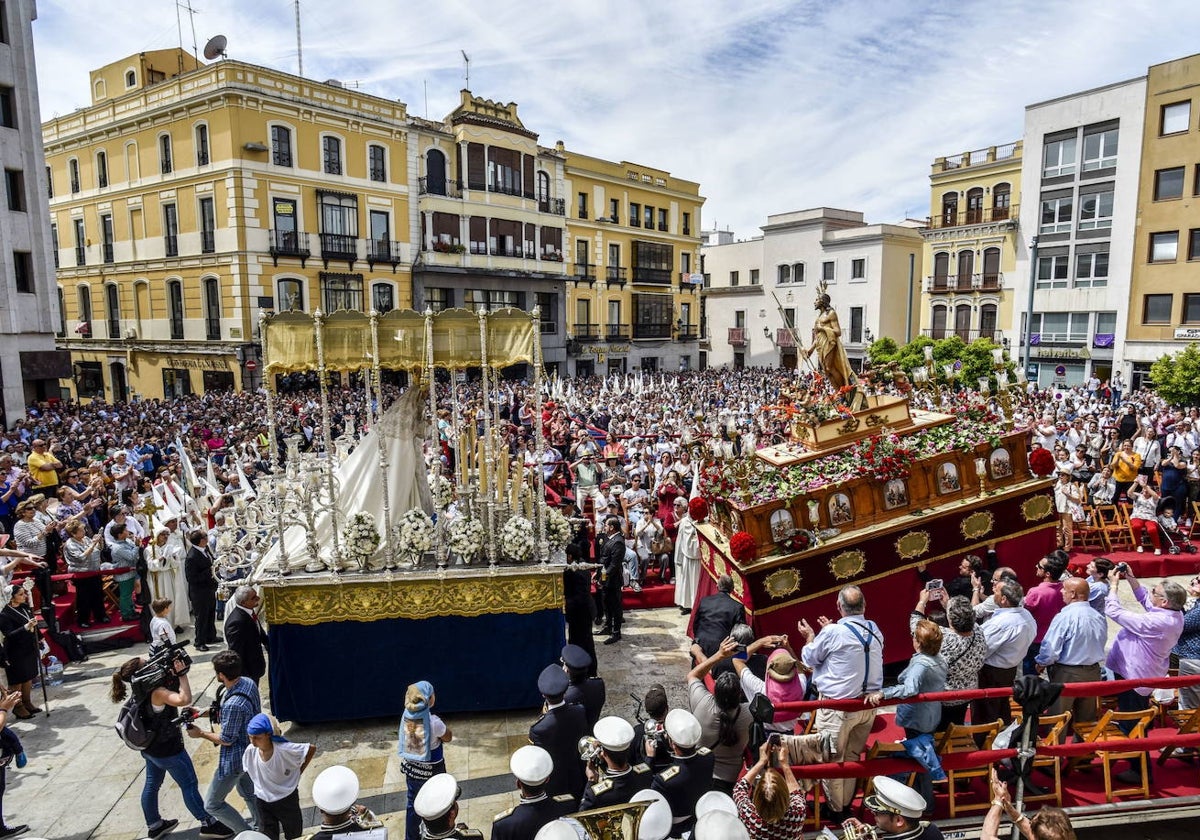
532, 767
558, 731
588, 692
421, 736
274, 764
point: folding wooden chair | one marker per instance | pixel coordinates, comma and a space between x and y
1188, 723
1051, 731
1113, 531
1090, 532
1125, 510
962, 739
1107, 729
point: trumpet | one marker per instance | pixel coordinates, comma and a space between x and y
852, 830
590, 752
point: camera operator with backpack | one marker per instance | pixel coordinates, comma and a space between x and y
149, 721
237, 702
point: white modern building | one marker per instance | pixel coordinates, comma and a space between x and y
30, 367
1080, 184
760, 293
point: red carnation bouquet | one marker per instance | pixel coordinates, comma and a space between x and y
743, 547
1041, 462
698, 509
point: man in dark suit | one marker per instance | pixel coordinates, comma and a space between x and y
612, 562
558, 731
202, 589
587, 692
244, 635
716, 616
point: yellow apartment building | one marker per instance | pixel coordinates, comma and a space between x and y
187, 198
1164, 297
598, 246
971, 244
489, 221
634, 297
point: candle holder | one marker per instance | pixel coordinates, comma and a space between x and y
981, 472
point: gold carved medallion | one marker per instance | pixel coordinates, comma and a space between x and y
1038, 507
847, 564
913, 544
978, 524
782, 583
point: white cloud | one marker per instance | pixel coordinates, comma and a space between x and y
771, 106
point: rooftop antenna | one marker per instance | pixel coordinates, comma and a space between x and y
186, 4
299, 46
215, 48
467, 67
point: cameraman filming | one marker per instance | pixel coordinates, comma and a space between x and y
237, 702
159, 709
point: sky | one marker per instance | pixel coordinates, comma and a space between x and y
770, 106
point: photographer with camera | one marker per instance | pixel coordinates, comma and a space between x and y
769, 800
237, 702
160, 688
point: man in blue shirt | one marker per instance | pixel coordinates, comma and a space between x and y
240, 702
1074, 648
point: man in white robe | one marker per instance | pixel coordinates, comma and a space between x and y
687, 558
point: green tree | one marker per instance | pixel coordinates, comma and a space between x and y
1177, 378
974, 360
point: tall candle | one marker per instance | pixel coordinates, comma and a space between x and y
528, 500
514, 498
481, 464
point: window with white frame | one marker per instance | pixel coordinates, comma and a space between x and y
376, 163
785, 274
291, 295
858, 269
827, 271
1095, 210
797, 272
331, 155
1091, 270
281, 145
1106, 324
1056, 327
1058, 157
1052, 272
1056, 214
165, 160
202, 156
1099, 149
383, 297
1164, 246
1176, 118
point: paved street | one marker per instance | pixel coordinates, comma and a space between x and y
82, 783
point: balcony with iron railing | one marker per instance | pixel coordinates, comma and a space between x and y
615, 275
967, 335
106, 251
443, 187
508, 251
953, 217
586, 332
785, 338
80, 255
114, 328
617, 332
584, 272
171, 245
652, 330
652, 276
737, 336
339, 246
383, 251
557, 206
208, 241
978, 157
948, 283
687, 332
288, 243
212, 328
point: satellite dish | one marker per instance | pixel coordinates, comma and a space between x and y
215, 48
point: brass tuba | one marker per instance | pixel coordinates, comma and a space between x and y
614, 822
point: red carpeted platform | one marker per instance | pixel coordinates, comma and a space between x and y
653, 595
1144, 564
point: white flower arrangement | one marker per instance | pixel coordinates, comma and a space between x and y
360, 539
441, 490
415, 533
516, 539
466, 537
558, 529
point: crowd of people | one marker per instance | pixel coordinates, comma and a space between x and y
137, 491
